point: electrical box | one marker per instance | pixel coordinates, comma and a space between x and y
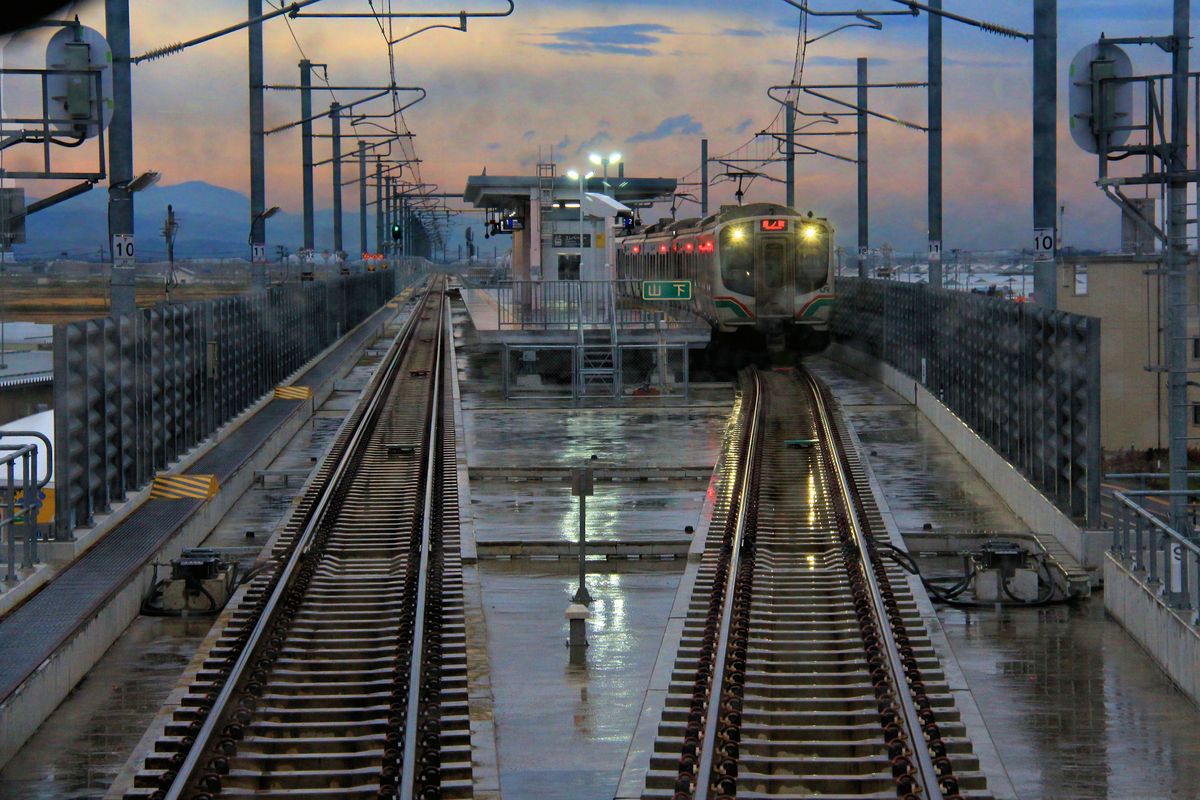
201, 582
12, 216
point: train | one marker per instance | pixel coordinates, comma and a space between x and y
761, 274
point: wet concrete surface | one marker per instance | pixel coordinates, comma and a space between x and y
88, 739
1077, 710
85, 743
563, 728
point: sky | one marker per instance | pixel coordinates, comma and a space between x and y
560, 78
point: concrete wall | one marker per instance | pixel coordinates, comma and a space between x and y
1127, 301
1168, 638
1042, 516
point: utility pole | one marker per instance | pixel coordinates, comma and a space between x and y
336, 123
935, 145
258, 179
704, 177
362, 197
789, 112
123, 274
306, 150
1176, 332
863, 238
1045, 148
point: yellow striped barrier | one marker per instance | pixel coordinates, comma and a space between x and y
184, 487
293, 393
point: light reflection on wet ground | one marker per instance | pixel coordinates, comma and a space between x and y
563, 730
1076, 708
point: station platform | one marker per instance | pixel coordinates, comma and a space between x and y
553, 312
52, 638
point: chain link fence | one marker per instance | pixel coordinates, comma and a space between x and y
1025, 379
133, 393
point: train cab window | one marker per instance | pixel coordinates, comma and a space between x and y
737, 259
776, 255
812, 268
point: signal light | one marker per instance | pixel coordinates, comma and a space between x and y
636, 249
396, 231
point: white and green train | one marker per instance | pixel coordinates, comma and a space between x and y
760, 269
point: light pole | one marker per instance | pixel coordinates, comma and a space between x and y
583, 179
600, 160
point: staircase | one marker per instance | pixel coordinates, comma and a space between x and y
597, 367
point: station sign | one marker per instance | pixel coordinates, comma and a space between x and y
570, 240
666, 290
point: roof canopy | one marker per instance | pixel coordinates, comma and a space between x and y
509, 192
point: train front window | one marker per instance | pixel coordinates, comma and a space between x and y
737, 259
812, 266
776, 255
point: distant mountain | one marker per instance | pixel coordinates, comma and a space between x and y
213, 222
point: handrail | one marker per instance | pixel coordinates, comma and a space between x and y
1155, 521
303, 542
708, 740
49, 452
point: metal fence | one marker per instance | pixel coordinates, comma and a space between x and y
563, 305
1161, 557
1025, 379
132, 393
640, 373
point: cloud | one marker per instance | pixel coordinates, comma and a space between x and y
840, 61
682, 125
595, 141
636, 39
494, 146
747, 32
528, 135
742, 126
564, 144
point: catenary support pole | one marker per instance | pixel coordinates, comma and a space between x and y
1045, 150
863, 232
362, 197
306, 151
122, 284
335, 122
789, 112
935, 145
258, 178
1176, 332
704, 177
379, 243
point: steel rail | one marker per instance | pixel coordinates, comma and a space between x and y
711, 721
412, 707
361, 434
926, 772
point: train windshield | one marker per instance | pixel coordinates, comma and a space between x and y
812, 266
737, 259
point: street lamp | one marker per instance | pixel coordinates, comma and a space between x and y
599, 160
583, 179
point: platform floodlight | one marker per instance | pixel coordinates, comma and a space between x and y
573, 174
595, 159
615, 158
143, 181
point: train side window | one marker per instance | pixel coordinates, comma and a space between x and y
737, 260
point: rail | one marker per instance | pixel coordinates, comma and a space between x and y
316, 517
747, 469
927, 773
1167, 560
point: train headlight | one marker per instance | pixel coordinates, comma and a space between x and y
738, 234
810, 233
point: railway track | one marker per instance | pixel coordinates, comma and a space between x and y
804, 669
342, 672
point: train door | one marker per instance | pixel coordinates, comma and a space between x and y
776, 285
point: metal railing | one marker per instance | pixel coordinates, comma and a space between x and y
1161, 557
567, 305
135, 392
1025, 379
20, 499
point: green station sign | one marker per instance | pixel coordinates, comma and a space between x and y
666, 290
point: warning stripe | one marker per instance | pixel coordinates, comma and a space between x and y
293, 392
184, 487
